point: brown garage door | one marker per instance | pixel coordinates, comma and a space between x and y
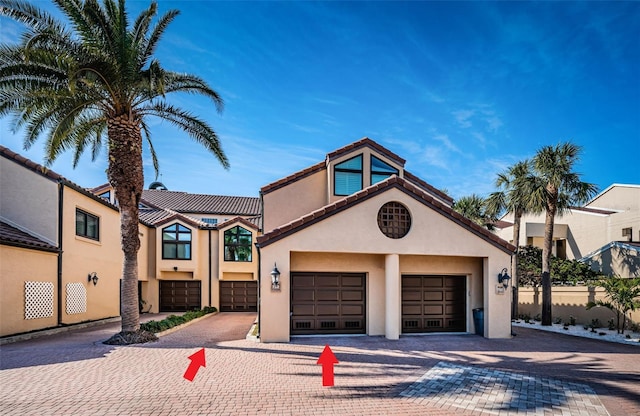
179, 295
434, 304
238, 296
327, 303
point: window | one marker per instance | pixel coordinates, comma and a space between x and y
87, 225
348, 176
394, 220
211, 221
176, 242
237, 244
381, 170
106, 195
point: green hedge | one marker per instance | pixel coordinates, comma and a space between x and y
174, 320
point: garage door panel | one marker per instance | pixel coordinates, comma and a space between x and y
326, 303
304, 295
411, 295
356, 310
328, 295
355, 281
352, 295
328, 310
412, 310
440, 304
238, 296
327, 281
433, 309
431, 296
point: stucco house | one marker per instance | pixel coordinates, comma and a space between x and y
361, 246
60, 263
55, 237
604, 233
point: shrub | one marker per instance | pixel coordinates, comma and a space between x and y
572, 320
175, 320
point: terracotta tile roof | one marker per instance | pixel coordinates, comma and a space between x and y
11, 236
29, 164
502, 224
202, 204
366, 142
245, 222
429, 188
47, 173
154, 217
292, 178
392, 182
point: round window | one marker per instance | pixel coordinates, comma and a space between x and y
394, 220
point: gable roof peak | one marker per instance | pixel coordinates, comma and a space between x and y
366, 142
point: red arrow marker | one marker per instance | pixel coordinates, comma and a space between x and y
327, 359
197, 360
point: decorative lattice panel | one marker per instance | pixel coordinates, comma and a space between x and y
38, 300
76, 298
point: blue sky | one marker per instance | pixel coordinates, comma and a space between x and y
461, 90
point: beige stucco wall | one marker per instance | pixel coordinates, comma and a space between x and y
355, 231
302, 197
587, 232
82, 256
42, 268
617, 261
568, 301
29, 201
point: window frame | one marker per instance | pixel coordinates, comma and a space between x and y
235, 233
177, 242
337, 170
85, 233
378, 172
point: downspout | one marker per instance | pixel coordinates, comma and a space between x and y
60, 234
210, 267
259, 280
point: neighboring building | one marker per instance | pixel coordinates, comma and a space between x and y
364, 247
196, 250
54, 236
605, 232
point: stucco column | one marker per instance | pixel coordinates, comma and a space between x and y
392, 309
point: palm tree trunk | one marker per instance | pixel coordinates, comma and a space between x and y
517, 219
126, 176
546, 264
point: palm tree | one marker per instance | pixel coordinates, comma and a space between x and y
473, 207
554, 189
622, 297
513, 196
97, 77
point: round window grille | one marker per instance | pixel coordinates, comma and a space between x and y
394, 220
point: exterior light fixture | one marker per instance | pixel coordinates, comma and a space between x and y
275, 278
93, 277
503, 277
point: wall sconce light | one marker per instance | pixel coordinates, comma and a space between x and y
503, 277
175, 268
93, 277
275, 278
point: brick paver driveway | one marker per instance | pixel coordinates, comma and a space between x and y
533, 373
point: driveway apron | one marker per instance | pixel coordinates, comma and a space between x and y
533, 373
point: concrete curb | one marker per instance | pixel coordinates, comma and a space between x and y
58, 330
175, 328
251, 337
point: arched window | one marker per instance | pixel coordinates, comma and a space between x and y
176, 242
237, 244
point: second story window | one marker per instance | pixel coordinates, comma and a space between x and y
87, 225
237, 244
176, 242
381, 170
348, 176
212, 221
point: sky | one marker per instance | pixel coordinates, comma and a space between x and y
461, 90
